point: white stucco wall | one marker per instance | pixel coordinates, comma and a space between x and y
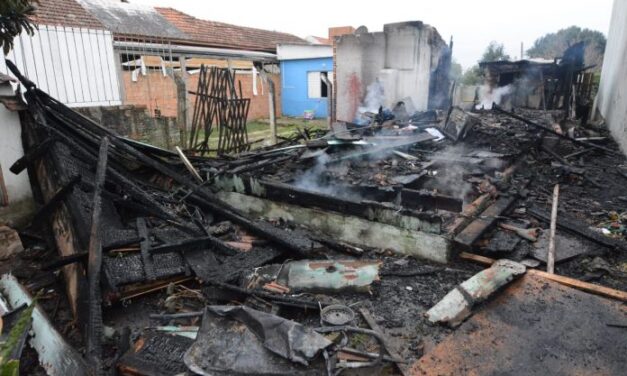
18, 186
612, 96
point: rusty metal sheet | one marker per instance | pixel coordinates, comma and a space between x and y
535, 327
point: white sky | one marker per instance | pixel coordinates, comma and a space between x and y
472, 23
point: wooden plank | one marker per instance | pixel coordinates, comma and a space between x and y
469, 235
95, 326
550, 262
584, 286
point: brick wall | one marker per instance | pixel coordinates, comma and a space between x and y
136, 122
156, 92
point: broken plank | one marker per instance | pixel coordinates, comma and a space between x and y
95, 326
469, 235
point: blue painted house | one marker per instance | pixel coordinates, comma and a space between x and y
303, 68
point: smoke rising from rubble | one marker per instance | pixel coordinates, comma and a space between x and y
450, 179
316, 178
489, 95
375, 98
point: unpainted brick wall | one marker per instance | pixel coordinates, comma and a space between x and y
155, 91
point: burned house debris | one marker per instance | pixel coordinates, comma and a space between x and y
412, 241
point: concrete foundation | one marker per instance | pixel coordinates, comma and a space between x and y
350, 229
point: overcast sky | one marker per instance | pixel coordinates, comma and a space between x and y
473, 24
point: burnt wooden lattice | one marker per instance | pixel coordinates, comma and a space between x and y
219, 104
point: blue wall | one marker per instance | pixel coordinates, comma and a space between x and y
294, 97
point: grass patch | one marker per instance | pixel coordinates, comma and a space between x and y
260, 130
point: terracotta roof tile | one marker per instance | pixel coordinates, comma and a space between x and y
64, 13
218, 34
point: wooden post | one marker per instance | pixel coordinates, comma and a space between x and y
181, 106
550, 262
94, 323
272, 115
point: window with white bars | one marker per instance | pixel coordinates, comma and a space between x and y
316, 88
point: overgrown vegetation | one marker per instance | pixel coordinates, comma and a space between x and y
14, 19
8, 366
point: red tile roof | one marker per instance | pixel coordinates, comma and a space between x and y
64, 13
218, 34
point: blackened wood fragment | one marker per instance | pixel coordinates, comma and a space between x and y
32, 155
54, 202
94, 330
144, 246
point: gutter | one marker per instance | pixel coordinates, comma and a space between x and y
142, 48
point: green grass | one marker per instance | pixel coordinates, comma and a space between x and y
260, 130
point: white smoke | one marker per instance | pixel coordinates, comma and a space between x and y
375, 98
489, 95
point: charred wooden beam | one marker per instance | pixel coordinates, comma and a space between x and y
32, 155
430, 201
64, 260
53, 203
231, 268
144, 246
204, 243
469, 235
95, 325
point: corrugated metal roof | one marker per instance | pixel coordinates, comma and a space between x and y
132, 19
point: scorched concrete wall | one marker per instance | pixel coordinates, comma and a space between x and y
402, 58
612, 96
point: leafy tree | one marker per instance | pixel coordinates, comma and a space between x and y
472, 76
14, 19
553, 45
494, 52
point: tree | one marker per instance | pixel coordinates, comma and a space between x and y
14, 19
472, 76
494, 52
553, 45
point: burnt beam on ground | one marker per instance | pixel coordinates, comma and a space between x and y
203, 243
486, 220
